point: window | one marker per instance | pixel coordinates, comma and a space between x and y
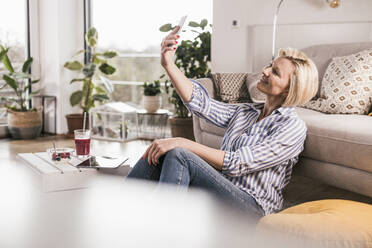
132, 29
13, 35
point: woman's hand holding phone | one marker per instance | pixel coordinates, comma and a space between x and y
169, 46
180, 82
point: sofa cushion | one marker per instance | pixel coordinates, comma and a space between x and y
338, 139
211, 128
231, 87
346, 85
324, 223
322, 54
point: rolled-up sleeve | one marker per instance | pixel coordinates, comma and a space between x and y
201, 104
285, 143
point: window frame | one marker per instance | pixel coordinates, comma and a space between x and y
27, 43
88, 15
87, 24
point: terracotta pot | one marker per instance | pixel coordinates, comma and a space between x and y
25, 125
74, 122
182, 127
151, 103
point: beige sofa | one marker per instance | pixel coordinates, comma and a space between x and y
338, 148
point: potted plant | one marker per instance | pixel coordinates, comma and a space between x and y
92, 72
24, 122
151, 98
193, 58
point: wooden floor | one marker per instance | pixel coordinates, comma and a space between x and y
299, 190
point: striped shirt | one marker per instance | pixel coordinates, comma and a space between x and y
259, 156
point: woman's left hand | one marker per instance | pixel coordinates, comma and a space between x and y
159, 147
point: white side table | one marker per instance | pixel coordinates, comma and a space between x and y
152, 125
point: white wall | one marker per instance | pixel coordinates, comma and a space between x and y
231, 51
57, 33
58, 28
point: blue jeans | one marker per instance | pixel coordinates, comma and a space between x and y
185, 169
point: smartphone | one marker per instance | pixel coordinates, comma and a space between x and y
99, 162
181, 23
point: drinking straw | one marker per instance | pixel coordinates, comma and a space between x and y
85, 115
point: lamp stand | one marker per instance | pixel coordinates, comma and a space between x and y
274, 29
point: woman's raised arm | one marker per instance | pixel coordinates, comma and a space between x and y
180, 82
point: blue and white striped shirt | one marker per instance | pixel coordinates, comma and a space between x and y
259, 156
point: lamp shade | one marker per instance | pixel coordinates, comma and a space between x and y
333, 3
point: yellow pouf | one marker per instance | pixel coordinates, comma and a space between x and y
324, 223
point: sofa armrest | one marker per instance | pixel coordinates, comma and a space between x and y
208, 84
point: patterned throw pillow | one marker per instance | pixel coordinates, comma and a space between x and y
346, 86
251, 82
231, 87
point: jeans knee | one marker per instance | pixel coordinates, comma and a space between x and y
176, 152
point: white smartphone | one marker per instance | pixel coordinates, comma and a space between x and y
181, 23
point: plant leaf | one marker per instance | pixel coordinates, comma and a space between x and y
110, 54
76, 80
89, 69
11, 82
87, 102
14, 108
100, 97
3, 52
194, 24
27, 64
29, 85
97, 60
100, 90
166, 27
7, 63
8, 99
78, 52
74, 65
34, 93
107, 69
203, 23
21, 75
76, 97
108, 85
31, 95
91, 37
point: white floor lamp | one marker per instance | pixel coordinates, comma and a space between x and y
274, 30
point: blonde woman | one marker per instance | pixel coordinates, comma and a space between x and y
261, 144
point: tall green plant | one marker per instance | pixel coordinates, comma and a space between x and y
19, 82
193, 58
90, 93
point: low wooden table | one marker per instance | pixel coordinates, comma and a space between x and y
62, 175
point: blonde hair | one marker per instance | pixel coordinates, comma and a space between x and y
303, 83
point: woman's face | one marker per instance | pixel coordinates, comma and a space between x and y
275, 78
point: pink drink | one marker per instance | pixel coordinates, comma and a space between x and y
82, 142
82, 146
